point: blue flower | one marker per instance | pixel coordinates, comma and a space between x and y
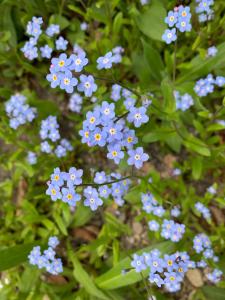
116, 92
83, 26
74, 177
54, 192
60, 64
184, 13
105, 62
53, 242
49, 253
153, 225
75, 103
57, 177
46, 147
52, 30
129, 139
60, 151
98, 137
92, 119
138, 263
175, 212
87, 85
54, 78
92, 198
129, 103
100, 177
78, 62
67, 82
61, 43
137, 157
169, 36
32, 158
69, 196
171, 18
183, 25
34, 255
212, 51
137, 116
114, 132
107, 111
155, 278
104, 191
46, 51
115, 152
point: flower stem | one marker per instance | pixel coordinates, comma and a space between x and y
105, 183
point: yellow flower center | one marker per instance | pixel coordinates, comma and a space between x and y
54, 77
86, 134
78, 61
61, 63
97, 136
114, 153
169, 262
69, 196
129, 139
92, 120
56, 177
53, 191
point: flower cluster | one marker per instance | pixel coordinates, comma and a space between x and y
61, 74
203, 210
18, 111
168, 270
204, 10
205, 86
47, 260
110, 58
183, 102
31, 158
30, 48
172, 231
151, 205
63, 186
101, 128
75, 103
50, 130
201, 242
179, 18
214, 276
34, 30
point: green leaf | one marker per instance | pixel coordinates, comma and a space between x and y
154, 60
84, 279
13, 256
158, 135
118, 22
167, 91
196, 167
215, 127
60, 20
202, 66
197, 146
60, 222
214, 293
114, 278
152, 22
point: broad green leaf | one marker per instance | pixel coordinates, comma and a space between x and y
169, 103
202, 66
114, 278
60, 222
118, 22
151, 22
154, 61
214, 293
196, 167
84, 279
158, 135
215, 127
15, 255
60, 20
197, 145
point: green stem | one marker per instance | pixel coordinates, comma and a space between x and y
175, 61
105, 183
